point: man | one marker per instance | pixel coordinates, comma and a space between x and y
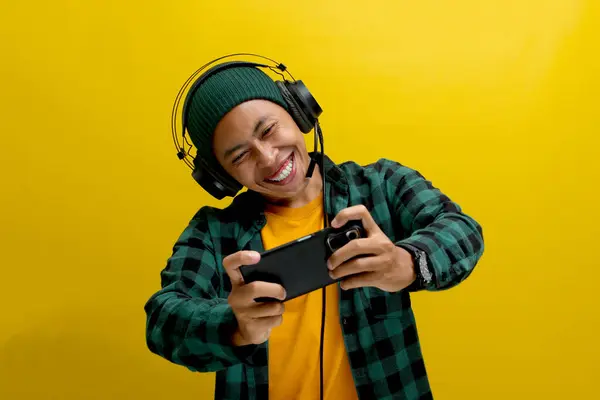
205, 317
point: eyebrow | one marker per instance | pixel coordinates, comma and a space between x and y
235, 148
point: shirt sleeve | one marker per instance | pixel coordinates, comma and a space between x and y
430, 221
187, 322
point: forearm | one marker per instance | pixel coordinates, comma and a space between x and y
453, 243
195, 333
428, 220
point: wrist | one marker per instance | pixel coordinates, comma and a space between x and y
423, 275
238, 340
406, 261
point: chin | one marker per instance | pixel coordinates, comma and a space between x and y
290, 186
283, 193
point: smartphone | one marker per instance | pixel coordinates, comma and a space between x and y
300, 266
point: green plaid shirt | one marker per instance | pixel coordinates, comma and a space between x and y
189, 321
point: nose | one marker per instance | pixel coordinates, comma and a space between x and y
267, 155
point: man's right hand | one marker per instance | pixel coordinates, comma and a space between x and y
255, 320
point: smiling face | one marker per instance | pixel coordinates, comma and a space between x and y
259, 144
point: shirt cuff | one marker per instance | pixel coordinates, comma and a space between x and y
423, 269
227, 325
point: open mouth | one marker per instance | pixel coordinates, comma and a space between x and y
284, 171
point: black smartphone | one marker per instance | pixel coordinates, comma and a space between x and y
300, 266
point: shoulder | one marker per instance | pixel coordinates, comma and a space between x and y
218, 221
198, 230
383, 169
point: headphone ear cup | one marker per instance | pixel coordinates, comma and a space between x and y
308, 105
295, 110
217, 185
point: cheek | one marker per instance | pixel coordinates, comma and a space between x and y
292, 139
244, 174
234, 172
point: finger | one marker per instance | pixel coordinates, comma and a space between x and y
357, 266
266, 310
362, 280
351, 249
233, 262
359, 213
266, 323
259, 330
258, 289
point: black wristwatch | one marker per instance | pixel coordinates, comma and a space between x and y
422, 271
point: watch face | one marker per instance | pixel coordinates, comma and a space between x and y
423, 267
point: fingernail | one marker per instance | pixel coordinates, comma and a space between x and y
329, 265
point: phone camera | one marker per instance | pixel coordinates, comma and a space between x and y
351, 235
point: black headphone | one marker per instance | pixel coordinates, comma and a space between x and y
302, 106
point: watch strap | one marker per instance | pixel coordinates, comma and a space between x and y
423, 274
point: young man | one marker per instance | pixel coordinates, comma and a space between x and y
205, 317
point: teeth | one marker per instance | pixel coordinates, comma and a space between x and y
284, 173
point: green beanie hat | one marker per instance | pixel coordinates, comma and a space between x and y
219, 94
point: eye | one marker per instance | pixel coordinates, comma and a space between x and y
237, 160
269, 130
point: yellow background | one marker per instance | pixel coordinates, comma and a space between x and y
495, 101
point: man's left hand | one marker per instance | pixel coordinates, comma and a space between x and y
381, 264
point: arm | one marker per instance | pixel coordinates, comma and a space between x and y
433, 223
187, 322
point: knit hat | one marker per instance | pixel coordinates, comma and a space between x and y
220, 93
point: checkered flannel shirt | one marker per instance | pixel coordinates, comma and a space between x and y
189, 321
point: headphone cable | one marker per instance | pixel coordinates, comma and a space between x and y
325, 223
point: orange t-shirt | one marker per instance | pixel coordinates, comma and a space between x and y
294, 345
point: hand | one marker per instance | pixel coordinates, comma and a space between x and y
255, 320
382, 264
